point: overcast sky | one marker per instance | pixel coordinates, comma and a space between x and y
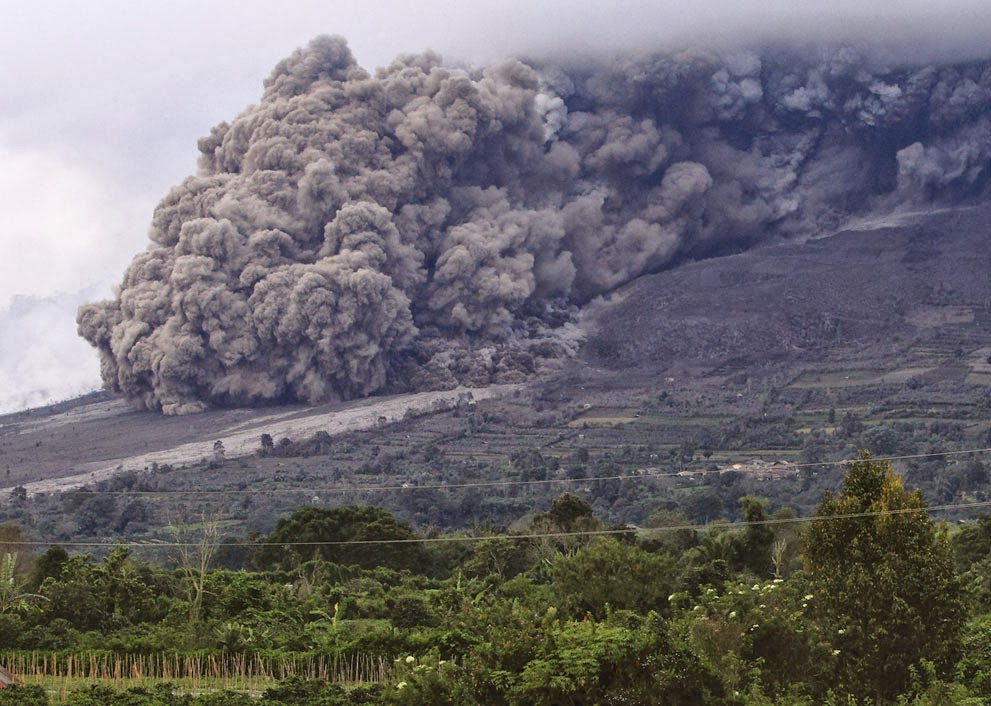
101, 104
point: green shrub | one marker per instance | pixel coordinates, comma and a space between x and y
30, 695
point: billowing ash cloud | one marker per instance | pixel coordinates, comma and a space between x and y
424, 226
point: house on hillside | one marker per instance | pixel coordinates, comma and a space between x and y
763, 470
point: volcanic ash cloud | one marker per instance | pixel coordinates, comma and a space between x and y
429, 226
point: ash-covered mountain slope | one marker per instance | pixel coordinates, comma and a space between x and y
900, 291
425, 226
894, 314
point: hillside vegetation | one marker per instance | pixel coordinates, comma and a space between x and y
871, 602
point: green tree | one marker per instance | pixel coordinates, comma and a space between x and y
566, 526
569, 513
361, 535
608, 573
708, 562
974, 667
100, 597
504, 557
676, 535
884, 579
757, 636
752, 547
972, 549
48, 565
972, 544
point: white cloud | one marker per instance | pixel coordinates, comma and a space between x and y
64, 227
41, 358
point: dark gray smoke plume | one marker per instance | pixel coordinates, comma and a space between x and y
426, 226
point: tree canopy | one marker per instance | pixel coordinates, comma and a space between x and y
364, 536
883, 575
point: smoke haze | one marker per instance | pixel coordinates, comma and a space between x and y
424, 226
40, 355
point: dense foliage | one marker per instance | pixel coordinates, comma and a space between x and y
886, 580
872, 602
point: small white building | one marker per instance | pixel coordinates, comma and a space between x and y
763, 470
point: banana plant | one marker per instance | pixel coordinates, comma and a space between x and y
11, 593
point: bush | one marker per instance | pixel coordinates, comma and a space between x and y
32, 695
296, 691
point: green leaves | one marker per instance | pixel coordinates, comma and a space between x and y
886, 578
608, 573
12, 595
360, 535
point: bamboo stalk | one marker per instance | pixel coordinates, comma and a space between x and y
63, 672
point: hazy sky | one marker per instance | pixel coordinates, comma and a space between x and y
101, 104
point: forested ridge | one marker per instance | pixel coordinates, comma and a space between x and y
869, 602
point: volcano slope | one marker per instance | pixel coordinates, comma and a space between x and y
901, 295
876, 337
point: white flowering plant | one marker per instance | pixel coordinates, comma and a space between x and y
756, 631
